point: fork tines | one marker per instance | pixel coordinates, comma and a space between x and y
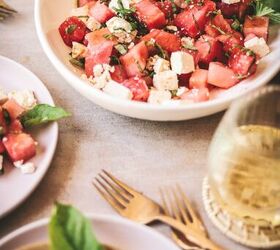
180, 207
117, 193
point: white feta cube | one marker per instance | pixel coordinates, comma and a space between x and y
80, 12
161, 65
78, 50
257, 45
231, 1
18, 164
114, 4
92, 24
3, 96
117, 24
166, 80
181, 91
24, 98
117, 90
182, 62
28, 168
159, 96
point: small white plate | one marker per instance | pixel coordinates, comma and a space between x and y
110, 230
49, 14
15, 186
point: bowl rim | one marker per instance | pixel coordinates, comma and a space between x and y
75, 81
92, 216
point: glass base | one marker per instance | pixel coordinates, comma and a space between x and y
248, 232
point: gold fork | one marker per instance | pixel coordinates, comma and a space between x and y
135, 206
185, 214
5, 10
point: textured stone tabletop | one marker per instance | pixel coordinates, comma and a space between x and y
144, 154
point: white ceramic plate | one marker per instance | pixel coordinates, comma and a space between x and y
49, 14
14, 186
110, 230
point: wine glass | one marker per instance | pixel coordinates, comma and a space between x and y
244, 158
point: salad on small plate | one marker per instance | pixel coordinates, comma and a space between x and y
168, 51
28, 133
69, 229
19, 113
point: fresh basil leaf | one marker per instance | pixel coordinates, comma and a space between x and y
42, 113
70, 230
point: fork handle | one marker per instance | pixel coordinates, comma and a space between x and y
191, 235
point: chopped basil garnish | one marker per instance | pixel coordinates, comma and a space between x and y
190, 47
236, 25
161, 52
173, 92
218, 29
108, 36
6, 116
128, 15
114, 60
78, 62
121, 48
71, 28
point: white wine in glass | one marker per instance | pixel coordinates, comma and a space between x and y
244, 158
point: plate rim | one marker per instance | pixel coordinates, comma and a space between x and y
91, 216
70, 77
52, 151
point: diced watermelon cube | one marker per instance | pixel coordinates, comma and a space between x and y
242, 63
150, 14
166, 7
119, 74
184, 79
192, 21
196, 95
13, 108
3, 123
199, 79
232, 42
134, 62
19, 146
221, 76
167, 41
99, 49
15, 127
228, 10
138, 87
220, 22
2, 147
257, 25
208, 49
83, 2
101, 12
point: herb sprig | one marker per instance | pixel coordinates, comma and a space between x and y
129, 15
268, 8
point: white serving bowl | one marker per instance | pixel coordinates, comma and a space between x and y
49, 14
110, 230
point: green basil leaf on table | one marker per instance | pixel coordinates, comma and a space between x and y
70, 230
42, 113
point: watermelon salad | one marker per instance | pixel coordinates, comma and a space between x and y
19, 113
164, 51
